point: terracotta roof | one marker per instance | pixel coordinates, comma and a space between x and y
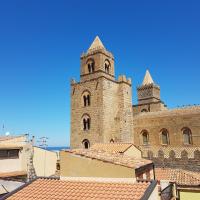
115, 158
180, 176
112, 147
13, 174
51, 189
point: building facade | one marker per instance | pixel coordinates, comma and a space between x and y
102, 112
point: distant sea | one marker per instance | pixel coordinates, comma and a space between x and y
56, 148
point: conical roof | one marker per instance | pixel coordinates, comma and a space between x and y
147, 78
96, 44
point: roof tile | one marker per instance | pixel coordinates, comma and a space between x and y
50, 189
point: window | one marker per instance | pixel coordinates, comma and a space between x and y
9, 154
90, 64
164, 137
144, 110
112, 141
86, 144
86, 98
187, 136
86, 122
145, 138
107, 66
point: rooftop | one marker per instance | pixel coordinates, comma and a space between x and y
112, 147
147, 78
180, 176
10, 137
115, 158
49, 189
13, 174
96, 44
189, 110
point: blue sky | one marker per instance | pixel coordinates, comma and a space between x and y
41, 42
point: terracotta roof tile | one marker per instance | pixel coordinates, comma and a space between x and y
180, 176
51, 189
112, 147
115, 158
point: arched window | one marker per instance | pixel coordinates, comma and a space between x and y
164, 137
145, 137
144, 110
90, 64
86, 144
107, 66
86, 122
86, 98
187, 136
112, 141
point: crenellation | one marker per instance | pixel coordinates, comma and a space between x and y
102, 111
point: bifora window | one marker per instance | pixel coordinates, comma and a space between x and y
187, 136
107, 66
86, 122
9, 154
86, 98
90, 64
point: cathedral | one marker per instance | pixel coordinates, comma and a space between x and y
102, 112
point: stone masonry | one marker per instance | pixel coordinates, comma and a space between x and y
102, 111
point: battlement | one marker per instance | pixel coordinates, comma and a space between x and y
122, 78
95, 51
143, 87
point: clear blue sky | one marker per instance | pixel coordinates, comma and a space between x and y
41, 42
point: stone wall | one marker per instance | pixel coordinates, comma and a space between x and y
171, 120
109, 111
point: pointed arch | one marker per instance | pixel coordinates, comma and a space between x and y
164, 136
187, 135
144, 137
86, 98
86, 122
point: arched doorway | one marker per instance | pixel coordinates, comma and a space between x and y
86, 144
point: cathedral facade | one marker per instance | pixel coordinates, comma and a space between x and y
102, 111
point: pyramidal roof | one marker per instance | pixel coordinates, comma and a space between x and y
147, 78
96, 44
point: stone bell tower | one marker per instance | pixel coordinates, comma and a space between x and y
148, 96
101, 107
96, 62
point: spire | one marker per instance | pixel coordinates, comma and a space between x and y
97, 44
147, 78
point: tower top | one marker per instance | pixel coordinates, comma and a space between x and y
147, 78
96, 44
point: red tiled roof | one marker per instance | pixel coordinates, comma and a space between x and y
51, 189
112, 147
114, 158
180, 176
13, 174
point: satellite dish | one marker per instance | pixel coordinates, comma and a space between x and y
7, 134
